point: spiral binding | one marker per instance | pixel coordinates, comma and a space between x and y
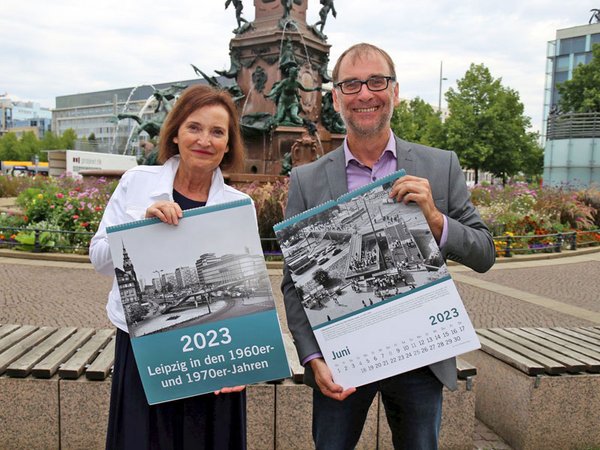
342, 199
187, 213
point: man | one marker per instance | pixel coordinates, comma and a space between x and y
365, 93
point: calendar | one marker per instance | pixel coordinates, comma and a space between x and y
374, 286
198, 302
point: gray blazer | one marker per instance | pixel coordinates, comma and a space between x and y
469, 241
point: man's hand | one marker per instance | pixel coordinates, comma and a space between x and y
414, 189
325, 381
167, 212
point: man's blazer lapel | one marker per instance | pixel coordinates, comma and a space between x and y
404, 157
336, 173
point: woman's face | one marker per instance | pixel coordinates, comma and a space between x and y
203, 138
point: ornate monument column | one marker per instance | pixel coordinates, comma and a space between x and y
279, 62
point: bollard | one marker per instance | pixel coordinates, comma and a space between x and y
507, 253
573, 239
559, 241
37, 248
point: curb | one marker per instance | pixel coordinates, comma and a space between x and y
278, 265
62, 257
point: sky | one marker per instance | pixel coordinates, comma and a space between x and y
61, 47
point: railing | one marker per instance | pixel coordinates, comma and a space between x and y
573, 125
39, 240
507, 245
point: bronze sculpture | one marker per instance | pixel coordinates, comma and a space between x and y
327, 6
285, 95
238, 5
234, 90
287, 10
164, 97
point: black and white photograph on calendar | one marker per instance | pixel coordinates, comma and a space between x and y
181, 280
358, 253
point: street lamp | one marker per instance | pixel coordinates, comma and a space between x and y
440, 92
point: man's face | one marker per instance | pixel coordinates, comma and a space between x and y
365, 113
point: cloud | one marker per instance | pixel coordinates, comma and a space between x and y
48, 49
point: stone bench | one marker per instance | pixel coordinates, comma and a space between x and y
540, 387
294, 428
48, 401
55, 389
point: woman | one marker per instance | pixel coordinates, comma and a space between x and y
199, 137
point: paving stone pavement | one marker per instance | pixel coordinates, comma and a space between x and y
523, 292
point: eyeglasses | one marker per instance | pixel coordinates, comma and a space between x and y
374, 84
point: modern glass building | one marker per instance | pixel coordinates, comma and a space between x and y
571, 141
95, 112
20, 116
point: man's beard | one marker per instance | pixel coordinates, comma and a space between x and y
370, 130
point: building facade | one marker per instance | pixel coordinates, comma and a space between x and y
571, 141
95, 112
22, 116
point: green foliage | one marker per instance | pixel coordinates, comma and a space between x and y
68, 139
581, 93
65, 204
9, 147
29, 146
26, 240
487, 128
69, 204
416, 121
10, 186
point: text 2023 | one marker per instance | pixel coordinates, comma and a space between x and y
443, 316
211, 338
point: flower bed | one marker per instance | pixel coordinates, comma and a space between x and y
523, 218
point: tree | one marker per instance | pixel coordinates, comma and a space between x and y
50, 141
487, 127
416, 121
68, 139
322, 277
9, 147
581, 93
29, 146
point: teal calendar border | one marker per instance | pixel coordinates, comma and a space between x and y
187, 213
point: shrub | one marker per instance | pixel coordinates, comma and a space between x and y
67, 204
270, 201
524, 209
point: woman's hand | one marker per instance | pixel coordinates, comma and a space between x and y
229, 390
166, 211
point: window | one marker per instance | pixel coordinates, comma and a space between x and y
595, 39
562, 63
572, 45
581, 58
561, 77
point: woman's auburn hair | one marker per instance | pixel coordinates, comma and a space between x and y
192, 99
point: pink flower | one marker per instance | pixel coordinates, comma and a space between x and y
59, 195
75, 217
